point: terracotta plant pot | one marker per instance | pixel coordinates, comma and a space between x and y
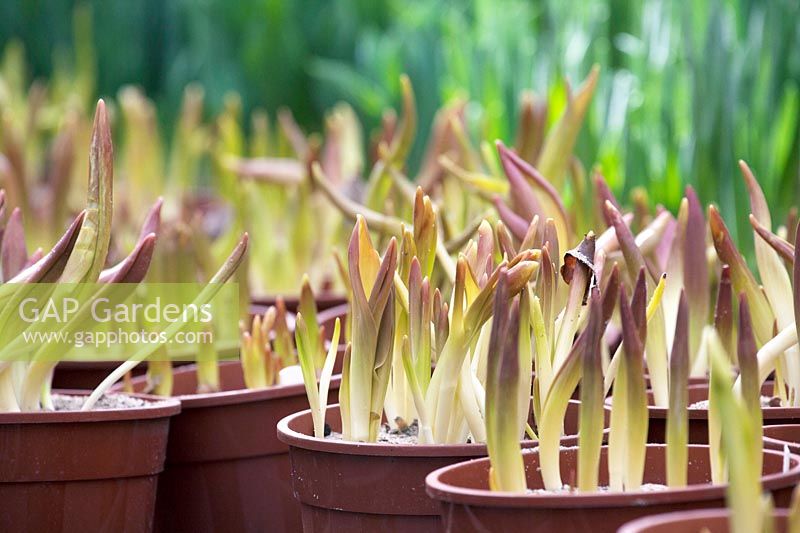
776, 437
87, 375
467, 504
698, 418
83, 471
75, 375
226, 470
712, 521
368, 487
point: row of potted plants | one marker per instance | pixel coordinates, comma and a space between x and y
582, 373
644, 351
160, 379
76, 460
72, 461
424, 240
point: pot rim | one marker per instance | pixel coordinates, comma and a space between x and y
768, 413
446, 492
157, 407
331, 313
289, 436
266, 299
646, 522
294, 438
693, 413
220, 398
776, 440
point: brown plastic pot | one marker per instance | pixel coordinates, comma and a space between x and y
698, 418
712, 521
467, 504
692, 381
83, 471
779, 436
80, 375
369, 487
226, 470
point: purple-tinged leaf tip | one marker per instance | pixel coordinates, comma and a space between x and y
152, 222
548, 197
133, 268
49, 268
784, 248
523, 199
627, 243
741, 277
604, 195
517, 225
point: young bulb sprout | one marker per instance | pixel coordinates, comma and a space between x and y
271, 354
493, 299
668, 333
79, 257
400, 325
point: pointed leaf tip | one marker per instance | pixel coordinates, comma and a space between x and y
781, 246
152, 221
133, 268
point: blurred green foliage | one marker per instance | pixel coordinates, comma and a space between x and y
687, 88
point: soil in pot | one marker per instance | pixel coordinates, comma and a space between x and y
710, 521
225, 469
698, 416
70, 470
368, 487
467, 504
